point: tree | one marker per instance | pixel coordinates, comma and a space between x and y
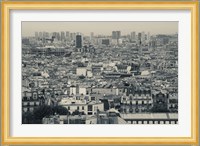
159, 108
82, 77
121, 110
27, 118
60, 110
106, 104
117, 107
131, 107
76, 112
112, 105
41, 112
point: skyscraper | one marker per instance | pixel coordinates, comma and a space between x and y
78, 41
72, 36
133, 36
91, 35
115, 37
40, 35
47, 35
142, 36
105, 42
139, 38
43, 34
67, 35
36, 35
56, 35
116, 34
62, 36
148, 36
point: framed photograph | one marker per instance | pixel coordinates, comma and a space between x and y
99, 72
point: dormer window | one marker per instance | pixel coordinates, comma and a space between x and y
92, 98
25, 98
28, 98
34, 96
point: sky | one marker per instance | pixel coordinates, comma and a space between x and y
100, 28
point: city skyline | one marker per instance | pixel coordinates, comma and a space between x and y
126, 76
100, 28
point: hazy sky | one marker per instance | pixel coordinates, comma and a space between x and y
103, 28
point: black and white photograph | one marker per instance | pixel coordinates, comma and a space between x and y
99, 72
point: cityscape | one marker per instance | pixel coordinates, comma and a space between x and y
99, 73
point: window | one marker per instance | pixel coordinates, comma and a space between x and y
129, 122
144, 122
172, 122
31, 103
31, 109
77, 107
166, 122
134, 122
34, 96
82, 107
150, 122
25, 109
68, 107
156, 122
89, 107
92, 98
24, 103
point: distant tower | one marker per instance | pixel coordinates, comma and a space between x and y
116, 35
143, 37
40, 35
67, 35
91, 35
36, 35
62, 36
72, 36
139, 38
148, 36
78, 41
133, 36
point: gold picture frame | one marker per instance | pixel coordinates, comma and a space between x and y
89, 5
